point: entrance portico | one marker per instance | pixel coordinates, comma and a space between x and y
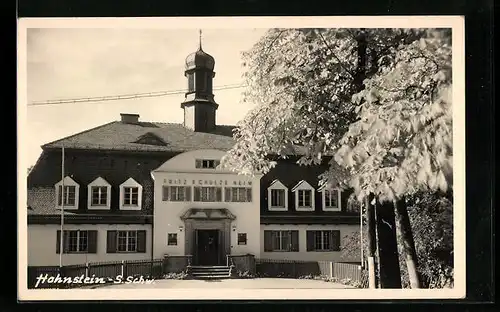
208, 235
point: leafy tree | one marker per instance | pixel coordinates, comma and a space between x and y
378, 100
302, 82
402, 142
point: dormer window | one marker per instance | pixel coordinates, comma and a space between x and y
277, 196
130, 195
67, 191
99, 194
207, 163
332, 199
304, 196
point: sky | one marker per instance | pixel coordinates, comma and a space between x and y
68, 63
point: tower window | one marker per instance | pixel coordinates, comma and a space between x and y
201, 81
209, 82
190, 82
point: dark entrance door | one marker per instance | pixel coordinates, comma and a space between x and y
207, 247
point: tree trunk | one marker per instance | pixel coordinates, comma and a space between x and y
390, 274
372, 241
408, 242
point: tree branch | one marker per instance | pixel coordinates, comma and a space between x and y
333, 53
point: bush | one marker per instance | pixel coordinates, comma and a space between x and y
245, 274
176, 276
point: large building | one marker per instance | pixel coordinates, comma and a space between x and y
140, 190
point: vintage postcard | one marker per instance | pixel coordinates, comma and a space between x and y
241, 158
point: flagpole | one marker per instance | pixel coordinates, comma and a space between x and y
61, 242
361, 235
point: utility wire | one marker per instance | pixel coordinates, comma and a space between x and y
126, 96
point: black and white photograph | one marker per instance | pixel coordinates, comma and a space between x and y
241, 158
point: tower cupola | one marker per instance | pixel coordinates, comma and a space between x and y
199, 104
200, 59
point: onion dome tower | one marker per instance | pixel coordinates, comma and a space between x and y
199, 104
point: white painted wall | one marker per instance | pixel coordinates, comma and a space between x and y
303, 254
189, 117
167, 214
42, 240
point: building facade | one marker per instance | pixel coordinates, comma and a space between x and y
137, 190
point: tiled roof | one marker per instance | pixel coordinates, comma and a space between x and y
42, 201
119, 135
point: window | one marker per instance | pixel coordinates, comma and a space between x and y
68, 197
190, 82
77, 241
127, 241
323, 240
207, 194
67, 191
172, 239
305, 198
281, 241
201, 83
332, 199
207, 163
242, 238
99, 195
238, 194
209, 81
176, 193
277, 196
130, 196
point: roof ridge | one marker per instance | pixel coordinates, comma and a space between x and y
46, 145
163, 123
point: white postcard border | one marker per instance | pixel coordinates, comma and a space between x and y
458, 28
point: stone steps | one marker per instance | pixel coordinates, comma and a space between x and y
210, 272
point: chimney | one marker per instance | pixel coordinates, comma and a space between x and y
130, 118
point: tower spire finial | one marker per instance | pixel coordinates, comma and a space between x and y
200, 40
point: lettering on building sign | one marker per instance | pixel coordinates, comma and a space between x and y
206, 182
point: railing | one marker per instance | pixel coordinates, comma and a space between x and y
297, 269
71, 276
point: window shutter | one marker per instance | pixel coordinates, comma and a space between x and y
227, 194
188, 193
111, 242
92, 244
196, 193
59, 195
218, 194
336, 240
310, 240
65, 242
165, 193
344, 198
268, 241
58, 242
295, 240
141, 241
249, 195
198, 163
